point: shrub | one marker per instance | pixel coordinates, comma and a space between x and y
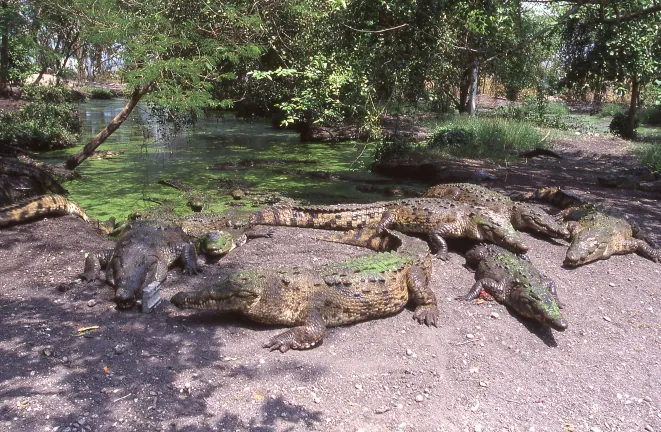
556, 109
485, 138
650, 154
618, 125
650, 115
41, 126
610, 110
392, 148
52, 94
100, 93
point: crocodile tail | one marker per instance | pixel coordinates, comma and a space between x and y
368, 238
39, 207
342, 217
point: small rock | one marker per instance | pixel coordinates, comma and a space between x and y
315, 398
419, 398
358, 386
611, 284
478, 428
409, 352
92, 303
120, 349
48, 351
399, 406
495, 315
484, 384
382, 410
607, 319
595, 429
649, 428
470, 336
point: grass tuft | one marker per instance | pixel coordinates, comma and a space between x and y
470, 137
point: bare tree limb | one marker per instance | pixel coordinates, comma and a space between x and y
375, 31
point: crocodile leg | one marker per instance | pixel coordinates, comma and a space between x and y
435, 236
94, 263
440, 245
422, 296
638, 233
301, 337
496, 289
187, 256
644, 249
550, 285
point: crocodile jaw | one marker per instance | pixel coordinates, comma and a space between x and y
525, 217
538, 304
585, 249
225, 297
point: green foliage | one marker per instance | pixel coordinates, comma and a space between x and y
569, 123
41, 126
610, 110
480, 138
99, 93
650, 115
489, 138
392, 148
619, 124
650, 154
51, 94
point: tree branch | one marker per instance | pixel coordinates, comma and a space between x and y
376, 31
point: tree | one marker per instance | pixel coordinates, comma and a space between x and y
620, 43
172, 53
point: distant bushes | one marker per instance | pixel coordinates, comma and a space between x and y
99, 93
49, 122
610, 110
41, 126
650, 115
52, 94
618, 125
650, 154
477, 138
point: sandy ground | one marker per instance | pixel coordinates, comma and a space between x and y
177, 370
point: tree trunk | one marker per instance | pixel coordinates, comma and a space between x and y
464, 89
4, 48
472, 103
75, 160
630, 130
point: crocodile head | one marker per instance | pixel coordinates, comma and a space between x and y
526, 216
237, 293
587, 246
129, 280
597, 236
537, 303
498, 230
216, 243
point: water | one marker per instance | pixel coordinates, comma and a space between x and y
128, 182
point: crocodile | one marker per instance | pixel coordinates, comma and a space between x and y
357, 289
208, 230
597, 232
434, 217
514, 281
40, 207
555, 195
596, 235
523, 216
141, 256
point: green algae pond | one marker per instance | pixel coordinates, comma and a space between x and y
118, 185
